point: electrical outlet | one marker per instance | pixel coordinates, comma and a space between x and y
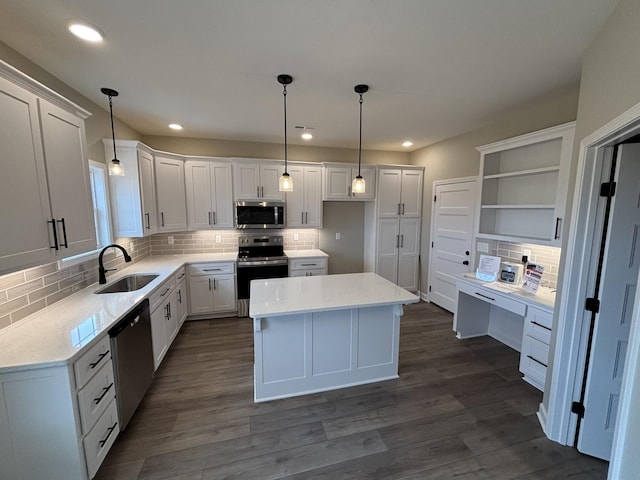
295, 237
482, 247
337, 235
218, 238
526, 252
170, 239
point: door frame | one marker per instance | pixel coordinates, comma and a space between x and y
568, 346
426, 296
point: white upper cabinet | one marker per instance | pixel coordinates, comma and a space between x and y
47, 209
257, 179
304, 204
133, 196
399, 192
171, 193
524, 186
338, 178
209, 196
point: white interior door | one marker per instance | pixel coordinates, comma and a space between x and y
451, 239
618, 288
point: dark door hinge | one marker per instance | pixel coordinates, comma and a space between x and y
592, 305
608, 189
577, 408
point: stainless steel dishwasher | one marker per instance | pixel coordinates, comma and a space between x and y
133, 360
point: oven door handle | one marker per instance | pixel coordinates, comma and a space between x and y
262, 263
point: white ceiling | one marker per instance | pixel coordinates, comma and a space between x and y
436, 68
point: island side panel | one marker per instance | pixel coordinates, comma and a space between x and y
313, 352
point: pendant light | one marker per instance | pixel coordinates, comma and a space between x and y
285, 184
358, 184
115, 167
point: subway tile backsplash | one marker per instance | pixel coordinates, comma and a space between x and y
25, 292
549, 257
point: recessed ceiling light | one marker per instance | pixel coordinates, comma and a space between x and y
306, 136
86, 32
175, 126
407, 143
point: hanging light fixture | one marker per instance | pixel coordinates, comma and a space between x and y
285, 183
358, 184
115, 167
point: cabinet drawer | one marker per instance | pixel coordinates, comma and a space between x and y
96, 395
307, 263
99, 440
493, 298
161, 293
538, 324
211, 268
89, 363
180, 275
533, 361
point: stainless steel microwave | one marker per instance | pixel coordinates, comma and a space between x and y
260, 215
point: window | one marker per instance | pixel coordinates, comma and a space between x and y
101, 215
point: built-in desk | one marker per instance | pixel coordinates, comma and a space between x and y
521, 321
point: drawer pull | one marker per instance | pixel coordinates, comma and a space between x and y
181, 276
485, 296
540, 325
537, 361
211, 269
105, 390
109, 432
309, 264
100, 357
165, 292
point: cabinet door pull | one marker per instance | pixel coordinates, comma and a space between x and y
398, 209
402, 241
210, 285
213, 214
162, 218
537, 361
557, 232
403, 209
262, 191
169, 309
109, 432
148, 221
105, 390
301, 217
214, 283
397, 241
64, 232
209, 217
306, 217
180, 296
485, 296
100, 358
258, 191
540, 325
55, 234
349, 191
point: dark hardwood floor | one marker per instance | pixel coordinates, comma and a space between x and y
459, 410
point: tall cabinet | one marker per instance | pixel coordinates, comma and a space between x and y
47, 210
393, 224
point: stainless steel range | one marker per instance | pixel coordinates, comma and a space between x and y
259, 256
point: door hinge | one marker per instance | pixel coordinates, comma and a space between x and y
577, 408
608, 189
592, 305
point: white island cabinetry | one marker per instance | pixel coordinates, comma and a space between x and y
325, 332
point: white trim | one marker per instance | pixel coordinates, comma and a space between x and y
527, 138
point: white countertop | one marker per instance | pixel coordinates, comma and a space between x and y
284, 296
57, 335
305, 253
545, 297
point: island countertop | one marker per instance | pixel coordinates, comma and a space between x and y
292, 295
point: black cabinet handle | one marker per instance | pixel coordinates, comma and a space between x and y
557, 232
148, 221
64, 232
109, 432
104, 392
485, 296
213, 214
162, 218
467, 252
55, 234
100, 358
537, 361
540, 325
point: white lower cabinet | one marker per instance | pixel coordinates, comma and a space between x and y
212, 288
58, 422
534, 356
181, 297
164, 320
308, 266
398, 243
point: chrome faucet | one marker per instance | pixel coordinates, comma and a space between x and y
102, 277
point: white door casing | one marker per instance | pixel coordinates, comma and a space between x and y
452, 224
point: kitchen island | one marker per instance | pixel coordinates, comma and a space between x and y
313, 334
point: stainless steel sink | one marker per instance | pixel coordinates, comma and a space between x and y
129, 283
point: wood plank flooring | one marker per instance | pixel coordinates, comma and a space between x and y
459, 410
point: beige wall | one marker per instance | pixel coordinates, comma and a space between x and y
98, 126
458, 157
347, 218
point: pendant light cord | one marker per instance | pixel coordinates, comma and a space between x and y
113, 133
284, 95
360, 145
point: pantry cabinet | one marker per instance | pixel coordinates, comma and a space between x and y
399, 192
46, 194
398, 246
257, 179
338, 178
133, 196
304, 204
171, 194
524, 186
209, 196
